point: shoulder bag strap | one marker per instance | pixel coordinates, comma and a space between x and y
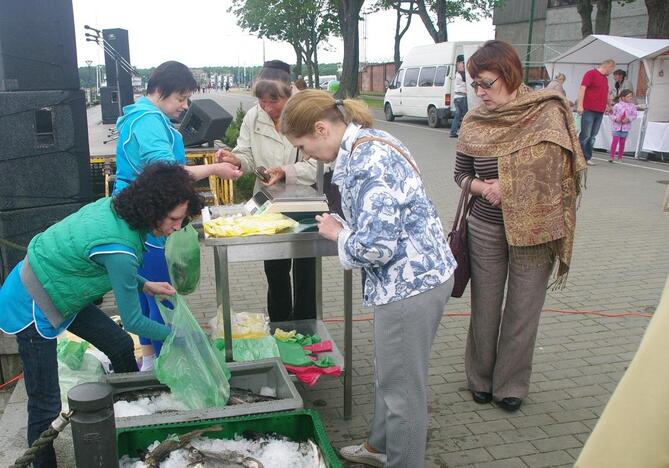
464, 204
397, 148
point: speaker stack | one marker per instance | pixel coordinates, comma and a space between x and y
119, 80
44, 154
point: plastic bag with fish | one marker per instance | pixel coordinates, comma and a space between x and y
189, 364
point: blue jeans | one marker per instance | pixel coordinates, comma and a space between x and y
460, 111
40, 369
590, 123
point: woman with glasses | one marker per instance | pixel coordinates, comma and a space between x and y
522, 152
75, 262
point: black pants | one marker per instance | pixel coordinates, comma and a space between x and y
281, 296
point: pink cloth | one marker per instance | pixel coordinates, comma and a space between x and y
626, 109
617, 142
319, 347
310, 374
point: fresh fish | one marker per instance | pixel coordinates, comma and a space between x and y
198, 458
240, 396
171, 444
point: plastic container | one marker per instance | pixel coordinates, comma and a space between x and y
251, 375
298, 425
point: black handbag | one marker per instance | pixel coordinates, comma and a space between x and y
457, 240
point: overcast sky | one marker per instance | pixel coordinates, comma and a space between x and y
202, 32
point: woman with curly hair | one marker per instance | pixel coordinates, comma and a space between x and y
75, 262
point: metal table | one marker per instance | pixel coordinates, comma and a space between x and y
284, 246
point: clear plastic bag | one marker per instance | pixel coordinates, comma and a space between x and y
244, 325
182, 252
189, 364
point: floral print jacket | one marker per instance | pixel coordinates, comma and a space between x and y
393, 230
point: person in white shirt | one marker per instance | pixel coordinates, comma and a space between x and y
460, 99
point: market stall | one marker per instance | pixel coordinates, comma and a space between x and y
632, 55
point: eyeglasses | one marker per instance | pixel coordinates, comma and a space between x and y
485, 84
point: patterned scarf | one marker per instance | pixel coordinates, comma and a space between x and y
540, 163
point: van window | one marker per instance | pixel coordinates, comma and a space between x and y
440, 76
397, 82
411, 77
426, 76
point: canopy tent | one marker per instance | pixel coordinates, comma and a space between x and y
628, 53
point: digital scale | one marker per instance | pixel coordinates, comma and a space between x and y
295, 201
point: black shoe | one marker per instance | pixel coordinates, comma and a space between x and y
510, 403
453, 136
482, 397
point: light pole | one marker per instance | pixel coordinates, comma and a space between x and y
529, 43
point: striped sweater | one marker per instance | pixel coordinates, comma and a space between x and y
481, 168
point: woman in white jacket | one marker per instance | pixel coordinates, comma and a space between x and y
261, 144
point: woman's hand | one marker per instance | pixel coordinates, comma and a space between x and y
153, 288
276, 174
225, 156
226, 170
328, 226
492, 192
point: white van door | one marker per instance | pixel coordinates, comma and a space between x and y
392, 105
409, 91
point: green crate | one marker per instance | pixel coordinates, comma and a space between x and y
299, 425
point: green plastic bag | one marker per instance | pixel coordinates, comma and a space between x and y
182, 252
189, 364
71, 353
250, 349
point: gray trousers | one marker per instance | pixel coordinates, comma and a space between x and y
403, 335
500, 343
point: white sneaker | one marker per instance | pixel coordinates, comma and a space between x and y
360, 454
590, 163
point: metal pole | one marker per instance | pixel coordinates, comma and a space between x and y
93, 425
529, 43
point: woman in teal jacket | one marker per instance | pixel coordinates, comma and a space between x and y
146, 135
75, 262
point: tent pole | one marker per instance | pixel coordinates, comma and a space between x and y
529, 43
644, 121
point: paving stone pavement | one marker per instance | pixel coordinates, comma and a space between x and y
620, 264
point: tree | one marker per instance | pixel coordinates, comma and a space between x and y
658, 19
602, 16
584, 9
304, 24
349, 15
403, 8
436, 14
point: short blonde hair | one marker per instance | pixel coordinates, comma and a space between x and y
307, 107
560, 76
608, 62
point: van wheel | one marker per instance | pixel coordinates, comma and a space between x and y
432, 119
388, 110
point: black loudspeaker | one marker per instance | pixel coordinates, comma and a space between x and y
118, 40
109, 104
20, 226
44, 156
37, 46
204, 122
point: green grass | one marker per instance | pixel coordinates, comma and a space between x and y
374, 102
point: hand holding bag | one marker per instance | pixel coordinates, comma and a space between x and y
457, 240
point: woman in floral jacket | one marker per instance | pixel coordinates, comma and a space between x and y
393, 232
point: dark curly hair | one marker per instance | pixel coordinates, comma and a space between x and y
158, 190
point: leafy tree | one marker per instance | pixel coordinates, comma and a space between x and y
436, 14
304, 24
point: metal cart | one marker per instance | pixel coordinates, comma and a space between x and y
284, 246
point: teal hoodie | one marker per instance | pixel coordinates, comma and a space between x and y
146, 136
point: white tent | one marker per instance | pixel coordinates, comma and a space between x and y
629, 53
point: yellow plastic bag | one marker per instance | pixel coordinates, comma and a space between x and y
244, 325
249, 225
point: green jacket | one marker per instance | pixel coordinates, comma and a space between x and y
59, 256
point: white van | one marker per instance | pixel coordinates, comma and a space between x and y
423, 85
